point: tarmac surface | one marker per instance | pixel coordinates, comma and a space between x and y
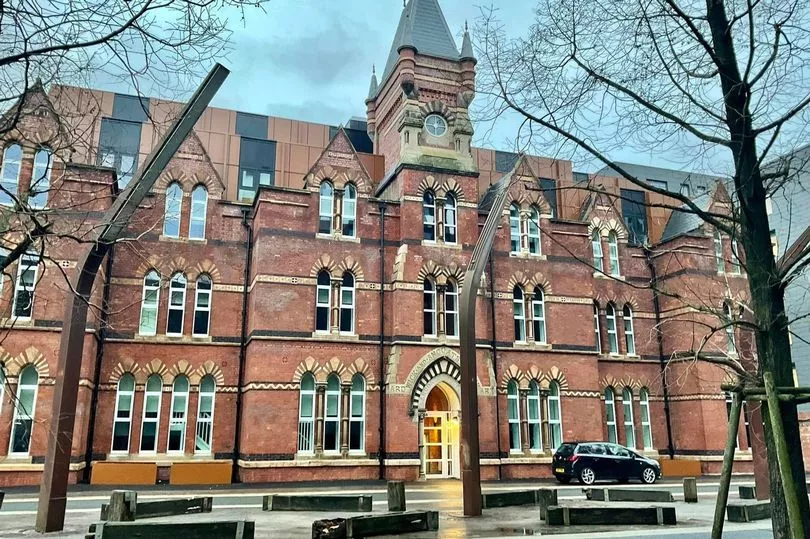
235, 502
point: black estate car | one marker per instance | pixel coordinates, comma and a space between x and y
591, 461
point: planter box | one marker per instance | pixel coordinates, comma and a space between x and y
201, 473
123, 473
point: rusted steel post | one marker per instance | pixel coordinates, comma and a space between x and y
53, 492
470, 457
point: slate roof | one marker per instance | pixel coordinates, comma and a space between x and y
683, 222
422, 26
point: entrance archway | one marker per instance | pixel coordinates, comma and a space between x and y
439, 432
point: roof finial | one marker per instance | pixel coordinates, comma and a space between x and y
403, 3
373, 69
465, 25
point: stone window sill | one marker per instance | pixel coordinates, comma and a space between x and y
434, 243
337, 237
528, 256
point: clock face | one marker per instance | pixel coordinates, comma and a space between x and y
435, 125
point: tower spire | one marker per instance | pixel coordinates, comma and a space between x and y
372, 87
466, 45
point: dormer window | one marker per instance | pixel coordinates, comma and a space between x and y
436, 125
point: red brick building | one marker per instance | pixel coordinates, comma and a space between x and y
287, 302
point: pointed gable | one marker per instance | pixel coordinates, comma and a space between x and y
422, 26
601, 211
191, 166
34, 119
340, 164
524, 187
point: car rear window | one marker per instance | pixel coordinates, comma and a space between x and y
566, 450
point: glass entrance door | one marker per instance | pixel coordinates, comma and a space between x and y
441, 444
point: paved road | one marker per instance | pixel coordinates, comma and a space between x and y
244, 501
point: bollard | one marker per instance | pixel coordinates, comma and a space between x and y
396, 496
690, 494
122, 506
546, 497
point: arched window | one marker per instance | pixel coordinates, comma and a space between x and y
323, 302
719, 260
518, 309
451, 309
646, 424
610, 415
629, 334
629, 424
555, 415
150, 425
610, 316
539, 315
205, 415
306, 414
326, 207
598, 256
10, 174
514, 228
24, 408
728, 320
534, 231
357, 416
450, 209
122, 421
513, 413
613, 250
199, 212
331, 420
429, 216
25, 286
535, 424
41, 179
149, 303
174, 202
179, 412
349, 210
597, 328
429, 307
347, 303
202, 306
177, 304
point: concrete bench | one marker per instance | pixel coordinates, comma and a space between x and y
628, 495
748, 510
166, 508
229, 529
748, 493
375, 525
622, 516
279, 502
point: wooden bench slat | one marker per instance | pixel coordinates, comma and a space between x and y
235, 529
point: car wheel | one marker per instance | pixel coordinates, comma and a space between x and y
649, 476
587, 476
563, 479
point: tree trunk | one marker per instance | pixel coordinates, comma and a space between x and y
767, 293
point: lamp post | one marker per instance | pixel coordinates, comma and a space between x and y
53, 492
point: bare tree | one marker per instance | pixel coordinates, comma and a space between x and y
721, 81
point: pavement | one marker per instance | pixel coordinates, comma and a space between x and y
18, 513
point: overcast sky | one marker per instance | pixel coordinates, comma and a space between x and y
311, 60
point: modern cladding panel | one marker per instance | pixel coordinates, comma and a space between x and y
130, 108
504, 161
251, 125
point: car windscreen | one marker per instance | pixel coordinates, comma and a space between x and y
566, 450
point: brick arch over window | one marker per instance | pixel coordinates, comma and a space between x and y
31, 356
441, 274
333, 366
529, 283
187, 181
122, 367
610, 297
359, 366
155, 366
441, 188
554, 375
183, 367
438, 107
210, 368
514, 373
526, 199
445, 367
628, 300
606, 226
339, 179
205, 267
335, 268
309, 365
620, 383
